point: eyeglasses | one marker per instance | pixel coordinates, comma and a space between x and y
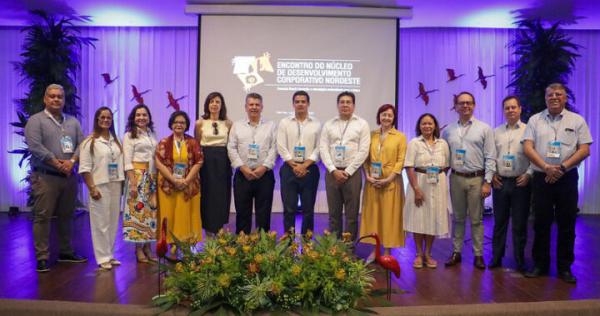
179, 123
463, 103
215, 129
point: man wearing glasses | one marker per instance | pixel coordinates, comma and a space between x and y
556, 140
298, 146
473, 154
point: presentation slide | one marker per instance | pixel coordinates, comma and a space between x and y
278, 55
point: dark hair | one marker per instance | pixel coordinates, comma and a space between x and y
436, 130
131, 127
98, 130
346, 93
175, 114
509, 98
254, 95
384, 108
300, 93
461, 93
222, 112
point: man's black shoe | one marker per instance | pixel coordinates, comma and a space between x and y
567, 276
72, 257
495, 264
42, 266
454, 259
478, 263
536, 272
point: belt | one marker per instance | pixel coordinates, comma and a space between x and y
49, 172
474, 174
424, 170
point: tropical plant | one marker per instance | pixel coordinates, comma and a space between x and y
543, 56
50, 55
243, 274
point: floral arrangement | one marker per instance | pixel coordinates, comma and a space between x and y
258, 272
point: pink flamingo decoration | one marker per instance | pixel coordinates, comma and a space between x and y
161, 249
387, 262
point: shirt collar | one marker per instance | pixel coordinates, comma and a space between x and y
435, 139
559, 116
353, 117
517, 125
469, 122
308, 118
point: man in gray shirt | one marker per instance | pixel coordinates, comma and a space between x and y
53, 138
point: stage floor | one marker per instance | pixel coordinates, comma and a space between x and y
133, 283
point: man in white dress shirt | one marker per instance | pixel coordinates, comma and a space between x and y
252, 151
298, 146
511, 190
344, 146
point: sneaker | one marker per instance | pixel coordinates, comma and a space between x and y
42, 266
72, 257
105, 266
115, 262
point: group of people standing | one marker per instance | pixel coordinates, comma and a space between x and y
187, 180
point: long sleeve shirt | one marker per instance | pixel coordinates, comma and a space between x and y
105, 152
139, 149
242, 135
477, 140
292, 133
353, 134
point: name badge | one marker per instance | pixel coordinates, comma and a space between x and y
432, 175
553, 150
459, 157
508, 162
179, 170
299, 153
253, 151
113, 171
66, 144
340, 154
376, 170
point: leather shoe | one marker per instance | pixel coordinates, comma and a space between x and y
453, 260
478, 263
536, 272
71, 257
567, 276
42, 266
495, 264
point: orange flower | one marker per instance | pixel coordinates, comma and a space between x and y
346, 237
296, 269
179, 267
253, 268
246, 248
258, 258
340, 274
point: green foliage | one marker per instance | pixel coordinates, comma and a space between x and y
543, 56
248, 273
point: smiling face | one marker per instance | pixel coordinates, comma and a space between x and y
253, 108
141, 118
556, 100
214, 105
426, 126
105, 120
301, 105
54, 99
465, 105
386, 118
345, 106
512, 110
179, 125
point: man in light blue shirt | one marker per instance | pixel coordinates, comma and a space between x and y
556, 140
473, 154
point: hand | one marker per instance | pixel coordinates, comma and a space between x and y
300, 170
497, 182
486, 189
553, 173
419, 197
370, 179
340, 176
248, 173
95, 194
523, 180
67, 167
260, 171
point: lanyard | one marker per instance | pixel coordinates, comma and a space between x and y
178, 147
110, 149
552, 125
55, 121
462, 132
382, 137
430, 150
254, 130
344, 131
510, 132
300, 132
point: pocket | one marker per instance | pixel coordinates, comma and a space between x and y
568, 137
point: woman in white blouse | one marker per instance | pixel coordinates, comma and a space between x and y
101, 165
139, 214
426, 207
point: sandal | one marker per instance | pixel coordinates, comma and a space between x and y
430, 262
140, 255
418, 263
148, 252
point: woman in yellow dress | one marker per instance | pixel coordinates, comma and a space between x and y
178, 160
383, 196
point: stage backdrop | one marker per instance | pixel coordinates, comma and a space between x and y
164, 59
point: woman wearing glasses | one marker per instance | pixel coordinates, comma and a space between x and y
212, 131
178, 160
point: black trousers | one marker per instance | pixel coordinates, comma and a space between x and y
555, 201
258, 191
511, 202
293, 187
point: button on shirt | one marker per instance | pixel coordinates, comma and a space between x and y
105, 152
422, 155
477, 139
354, 134
243, 134
508, 142
569, 128
288, 137
140, 149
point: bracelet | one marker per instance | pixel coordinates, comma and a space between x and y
563, 168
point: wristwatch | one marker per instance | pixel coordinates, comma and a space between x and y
563, 168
